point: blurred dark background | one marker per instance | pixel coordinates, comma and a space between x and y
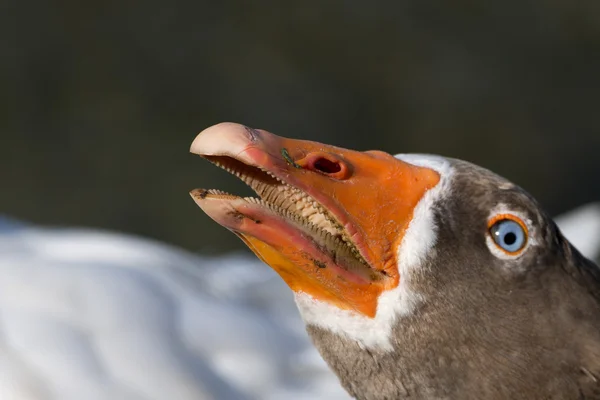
99, 101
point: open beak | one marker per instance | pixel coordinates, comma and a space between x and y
327, 219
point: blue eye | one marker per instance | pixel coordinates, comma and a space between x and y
508, 235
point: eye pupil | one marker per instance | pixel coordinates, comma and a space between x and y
510, 238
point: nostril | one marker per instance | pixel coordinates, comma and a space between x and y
327, 166
332, 165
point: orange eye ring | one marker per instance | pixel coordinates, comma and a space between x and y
497, 220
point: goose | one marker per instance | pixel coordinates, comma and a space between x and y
417, 276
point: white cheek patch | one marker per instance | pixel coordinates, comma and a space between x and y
502, 208
421, 234
418, 244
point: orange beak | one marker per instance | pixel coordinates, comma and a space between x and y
367, 197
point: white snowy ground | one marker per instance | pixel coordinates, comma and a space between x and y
94, 315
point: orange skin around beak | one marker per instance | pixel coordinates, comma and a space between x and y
371, 194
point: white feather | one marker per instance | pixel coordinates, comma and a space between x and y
582, 227
86, 315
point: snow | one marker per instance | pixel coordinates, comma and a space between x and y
88, 315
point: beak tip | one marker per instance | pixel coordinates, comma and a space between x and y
219, 139
196, 195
